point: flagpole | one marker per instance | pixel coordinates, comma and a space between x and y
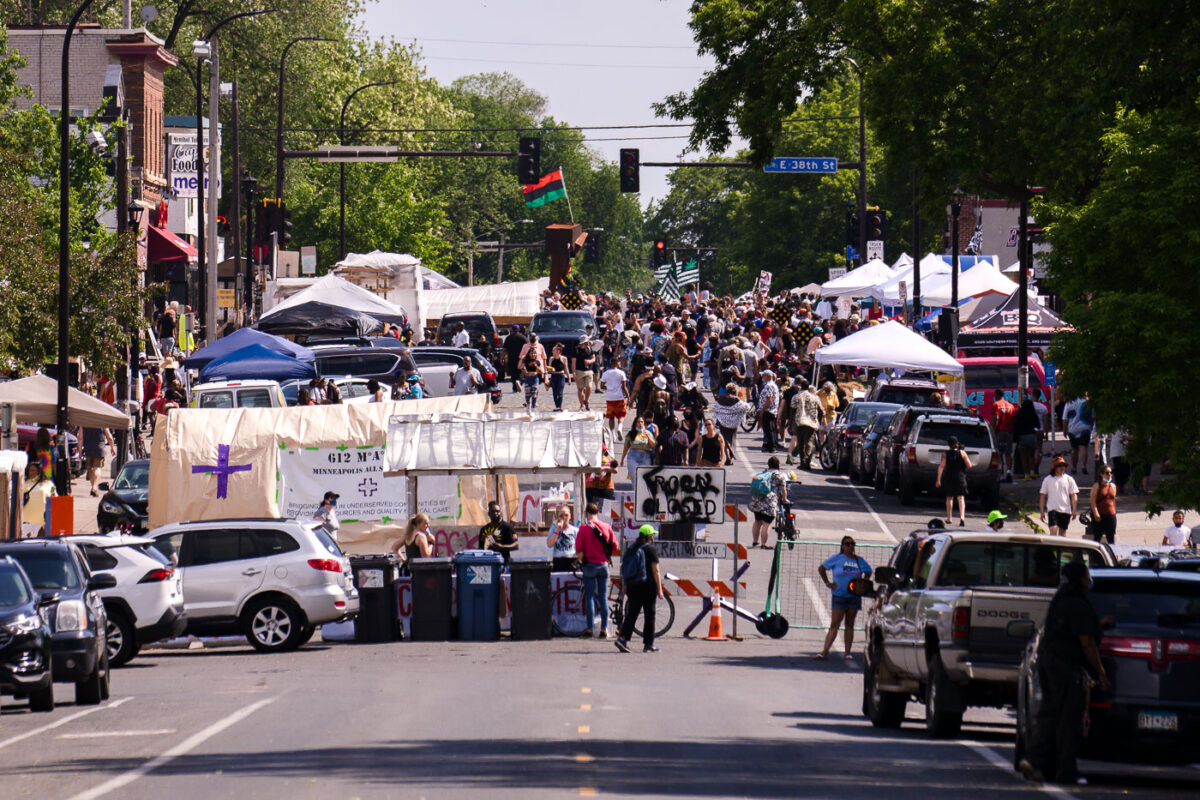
566, 194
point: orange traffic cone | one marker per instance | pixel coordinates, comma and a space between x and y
714, 623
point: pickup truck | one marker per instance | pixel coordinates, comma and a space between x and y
951, 618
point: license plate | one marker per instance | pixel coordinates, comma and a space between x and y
1158, 721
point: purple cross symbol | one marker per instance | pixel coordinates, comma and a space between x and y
222, 470
367, 487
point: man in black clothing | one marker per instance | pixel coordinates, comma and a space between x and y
498, 535
641, 595
1068, 655
513, 344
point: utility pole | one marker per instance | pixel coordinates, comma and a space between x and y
236, 216
214, 175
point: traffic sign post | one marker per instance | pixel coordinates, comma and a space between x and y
821, 165
875, 249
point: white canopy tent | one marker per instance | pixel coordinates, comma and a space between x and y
889, 346
983, 278
388, 264
335, 291
35, 400
858, 282
905, 260
888, 292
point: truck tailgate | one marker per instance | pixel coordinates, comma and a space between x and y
992, 612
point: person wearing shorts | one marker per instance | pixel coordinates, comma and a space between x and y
836, 572
1057, 498
616, 396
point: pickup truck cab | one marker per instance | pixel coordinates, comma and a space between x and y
953, 616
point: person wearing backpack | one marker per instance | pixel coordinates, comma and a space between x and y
594, 545
643, 588
767, 490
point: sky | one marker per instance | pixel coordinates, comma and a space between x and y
597, 63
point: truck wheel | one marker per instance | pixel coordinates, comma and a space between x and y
941, 724
42, 699
884, 709
852, 471
121, 638
907, 493
90, 692
877, 482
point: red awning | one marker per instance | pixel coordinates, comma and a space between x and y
162, 245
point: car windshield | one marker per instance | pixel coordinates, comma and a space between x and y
133, 476
13, 590
905, 397
969, 435
1171, 604
561, 323
222, 399
995, 376
47, 569
1010, 564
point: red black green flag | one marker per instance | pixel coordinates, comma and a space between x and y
547, 190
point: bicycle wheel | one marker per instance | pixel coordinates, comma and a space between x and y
567, 615
749, 421
664, 617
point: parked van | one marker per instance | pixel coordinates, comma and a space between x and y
238, 394
982, 376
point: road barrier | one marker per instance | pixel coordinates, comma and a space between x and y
795, 590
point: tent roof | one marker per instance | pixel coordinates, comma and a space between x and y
905, 260
378, 258
856, 282
241, 338
888, 292
981, 279
36, 400
341, 293
808, 288
503, 441
256, 362
1006, 317
890, 345
318, 318
516, 300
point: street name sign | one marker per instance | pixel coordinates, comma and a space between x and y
810, 164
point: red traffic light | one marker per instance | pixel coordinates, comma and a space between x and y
660, 245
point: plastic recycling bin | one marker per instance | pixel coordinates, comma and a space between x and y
431, 599
478, 595
375, 578
530, 592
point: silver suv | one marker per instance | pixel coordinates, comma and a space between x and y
925, 445
272, 580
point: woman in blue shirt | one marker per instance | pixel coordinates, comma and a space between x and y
837, 571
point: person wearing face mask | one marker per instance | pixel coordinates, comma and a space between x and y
1104, 506
327, 515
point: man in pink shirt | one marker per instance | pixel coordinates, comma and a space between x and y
594, 545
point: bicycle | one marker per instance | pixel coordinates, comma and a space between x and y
567, 612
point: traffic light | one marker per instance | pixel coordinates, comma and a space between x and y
529, 160
631, 165
659, 254
591, 249
852, 228
222, 226
284, 218
876, 225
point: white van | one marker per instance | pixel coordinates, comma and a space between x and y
237, 394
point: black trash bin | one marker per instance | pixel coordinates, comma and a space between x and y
375, 577
530, 588
431, 599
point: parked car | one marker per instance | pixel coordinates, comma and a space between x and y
146, 605
125, 500
568, 327
952, 617
982, 376
427, 357
925, 445
1151, 654
478, 324
25, 656
891, 444
354, 390
273, 581
27, 435
388, 365
907, 391
862, 451
846, 428
237, 394
74, 611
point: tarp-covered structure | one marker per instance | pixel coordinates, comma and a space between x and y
304, 312
243, 337
319, 319
858, 282
35, 400
511, 302
257, 362
999, 328
889, 346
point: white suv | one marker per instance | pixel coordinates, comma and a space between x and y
146, 605
272, 580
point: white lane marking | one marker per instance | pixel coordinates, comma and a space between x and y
59, 723
187, 745
878, 519
818, 603
106, 734
996, 760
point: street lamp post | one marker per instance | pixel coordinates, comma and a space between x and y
279, 120
249, 183
955, 210
862, 163
342, 166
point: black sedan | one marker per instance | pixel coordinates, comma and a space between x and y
125, 500
862, 448
848, 427
1151, 653
75, 613
25, 660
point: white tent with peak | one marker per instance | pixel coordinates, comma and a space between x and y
890, 346
888, 292
858, 282
981, 279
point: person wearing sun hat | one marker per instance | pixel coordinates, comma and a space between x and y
1058, 498
996, 520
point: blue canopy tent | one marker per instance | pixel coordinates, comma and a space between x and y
244, 337
256, 362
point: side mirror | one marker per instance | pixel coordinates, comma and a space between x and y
1020, 629
885, 575
101, 580
47, 599
104, 486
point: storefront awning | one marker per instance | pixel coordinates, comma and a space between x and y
162, 245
